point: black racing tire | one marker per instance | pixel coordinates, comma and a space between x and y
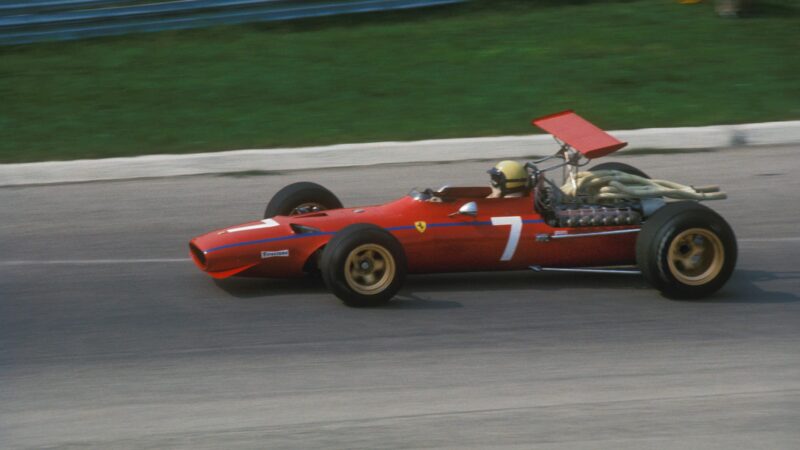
363, 265
686, 250
622, 167
301, 197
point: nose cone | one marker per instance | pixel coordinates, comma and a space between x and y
229, 251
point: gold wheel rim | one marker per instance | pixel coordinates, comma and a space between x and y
696, 256
369, 269
305, 208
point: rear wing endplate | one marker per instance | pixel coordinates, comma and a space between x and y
579, 134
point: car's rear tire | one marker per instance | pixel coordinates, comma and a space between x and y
363, 265
622, 167
301, 198
686, 250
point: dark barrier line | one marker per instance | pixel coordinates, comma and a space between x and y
7, 8
125, 12
72, 31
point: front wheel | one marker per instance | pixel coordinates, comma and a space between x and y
363, 265
686, 250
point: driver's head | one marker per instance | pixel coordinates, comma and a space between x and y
509, 177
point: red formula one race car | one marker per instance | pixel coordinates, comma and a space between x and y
610, 219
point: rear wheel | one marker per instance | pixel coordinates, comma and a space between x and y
301, 198
686, 250
363, 265
622, 167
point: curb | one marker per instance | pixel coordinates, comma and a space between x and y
348, 155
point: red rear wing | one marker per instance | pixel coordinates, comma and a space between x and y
579, 134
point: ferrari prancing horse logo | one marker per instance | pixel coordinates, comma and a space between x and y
420, 226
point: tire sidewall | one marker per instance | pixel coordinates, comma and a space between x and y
622, 167
295, 194
336, 252
653, 244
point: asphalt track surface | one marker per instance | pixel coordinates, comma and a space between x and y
111, 338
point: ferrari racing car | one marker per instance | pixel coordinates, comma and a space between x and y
611, 218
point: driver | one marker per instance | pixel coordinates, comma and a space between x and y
509, 179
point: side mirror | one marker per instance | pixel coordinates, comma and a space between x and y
467, 209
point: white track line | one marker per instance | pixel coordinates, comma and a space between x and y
79, 262
88, 262
784, 239
346, 155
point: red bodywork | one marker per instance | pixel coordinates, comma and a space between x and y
433, 240
506, 234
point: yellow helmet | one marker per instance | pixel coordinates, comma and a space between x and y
509, 176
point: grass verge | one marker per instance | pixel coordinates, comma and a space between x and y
479, 69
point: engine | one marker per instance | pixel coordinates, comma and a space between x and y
566, 215
578, 212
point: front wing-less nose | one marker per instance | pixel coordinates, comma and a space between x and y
266, 248
216, 265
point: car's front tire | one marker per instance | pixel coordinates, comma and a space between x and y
686, 250
363, 265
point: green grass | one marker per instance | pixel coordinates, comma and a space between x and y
484, 68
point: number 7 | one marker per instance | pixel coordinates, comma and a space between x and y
513, 236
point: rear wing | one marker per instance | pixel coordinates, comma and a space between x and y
579, 133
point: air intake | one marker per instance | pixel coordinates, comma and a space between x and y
198, 255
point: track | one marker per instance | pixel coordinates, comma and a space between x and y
111, 338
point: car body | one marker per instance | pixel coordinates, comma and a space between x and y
505, 234
364, 252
